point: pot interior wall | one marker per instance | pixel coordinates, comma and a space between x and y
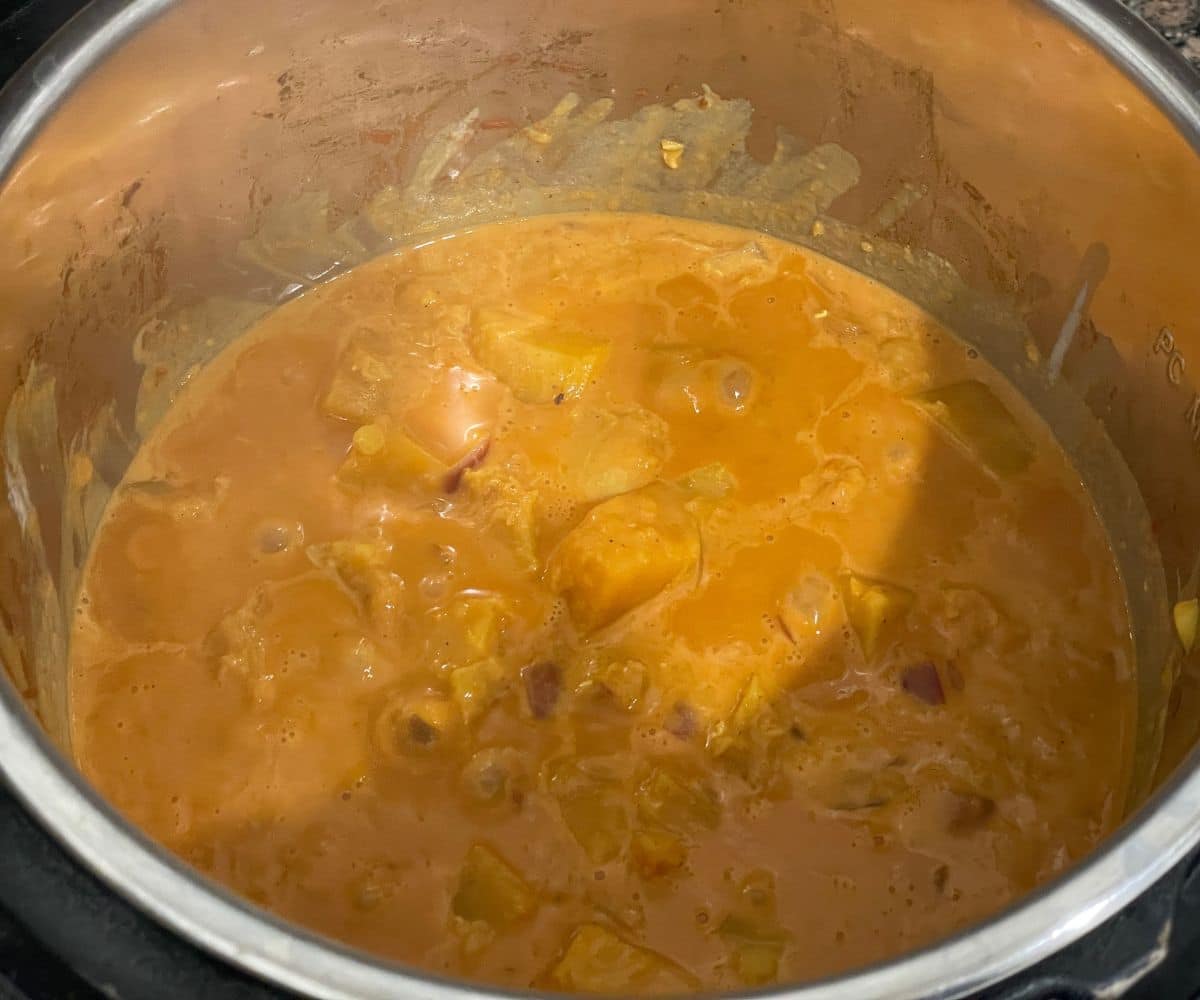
223, 159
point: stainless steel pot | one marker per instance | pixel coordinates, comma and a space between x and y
1047, 151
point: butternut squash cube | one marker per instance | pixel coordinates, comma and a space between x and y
363, 570
874, 608
677, 802
656, 853
361, 384
754, 950
507, 505
611, 451
751, 705
597, 960
534, 359
593, 806
625, 681
466, 629
713, 481
476, 686
596, 818
626, 551
490, 891
382, 455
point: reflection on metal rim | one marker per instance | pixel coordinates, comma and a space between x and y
1151, 843
1161, 72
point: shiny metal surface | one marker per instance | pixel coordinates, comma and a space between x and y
106, 137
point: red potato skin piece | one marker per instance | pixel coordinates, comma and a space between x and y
543, 685
472, 460
681, 721
922, 681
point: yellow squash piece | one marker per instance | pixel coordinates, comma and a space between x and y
656, 853
754, 950
612, 451
596, 817
508, 506
1187, 615
363, 569
625, 681
467, 629
360, 386
537, 361
593, 807
490, 891
752, 703
383, 455
713, 481
476, 687
973, 415
874, 609
745, 740
677, 802
623, 553
597, 960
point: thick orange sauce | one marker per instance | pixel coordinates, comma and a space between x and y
608, 603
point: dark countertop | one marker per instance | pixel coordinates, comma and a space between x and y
1176, 20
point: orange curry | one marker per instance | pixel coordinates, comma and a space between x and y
608, 603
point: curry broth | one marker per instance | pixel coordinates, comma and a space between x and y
608, 602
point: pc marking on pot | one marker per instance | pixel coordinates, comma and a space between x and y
1175, 367
1164, 343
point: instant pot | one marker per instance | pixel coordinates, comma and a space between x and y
162, 162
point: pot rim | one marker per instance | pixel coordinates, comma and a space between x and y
1148, 845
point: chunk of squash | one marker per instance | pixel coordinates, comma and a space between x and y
744, 740
363, 570
874, 609
383, 455
597, 960
533, 358
656, 853
975, 418
476, 686
749, 710
626, 551
713, 481
611, 451
361, 384
754, 950
466, 629
490, 890
507, 506
677, 802
596, 817
622, 681
752, 932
